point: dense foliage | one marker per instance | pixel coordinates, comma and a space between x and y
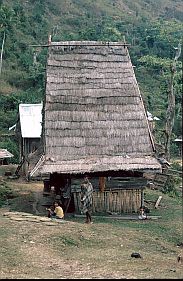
6, 193
153, 31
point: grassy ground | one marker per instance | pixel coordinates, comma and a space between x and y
101, 250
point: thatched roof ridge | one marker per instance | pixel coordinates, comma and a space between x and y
94, 110
87, 43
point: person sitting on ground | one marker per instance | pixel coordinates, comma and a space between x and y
57, 213
50, 211
142, 213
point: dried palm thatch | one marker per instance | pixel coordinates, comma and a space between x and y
94, 117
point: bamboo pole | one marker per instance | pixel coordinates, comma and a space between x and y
157, 202
112, 202
107, 202
115, 205
120, 202
73, 44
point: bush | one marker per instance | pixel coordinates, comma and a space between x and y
174, 149
176, 166
171, 185
5, 193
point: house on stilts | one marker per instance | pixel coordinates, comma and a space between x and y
95, 122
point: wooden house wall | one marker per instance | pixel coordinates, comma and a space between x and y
117, 201
121, 195
30, 145
27, 146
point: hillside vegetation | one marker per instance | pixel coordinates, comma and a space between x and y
152, 28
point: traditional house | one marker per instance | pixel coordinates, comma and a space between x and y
94, 122
5, 156
28, 130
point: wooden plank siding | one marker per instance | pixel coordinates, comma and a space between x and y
117, 201
121, 195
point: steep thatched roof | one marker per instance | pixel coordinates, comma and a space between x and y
94, 117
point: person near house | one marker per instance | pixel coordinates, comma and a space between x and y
142, 213
52, 197
65, 194
56, 212
50, 211
86, 198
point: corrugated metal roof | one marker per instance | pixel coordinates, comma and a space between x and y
4, 153
30, 120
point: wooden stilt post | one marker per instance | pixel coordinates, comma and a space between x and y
102, 183
142, 197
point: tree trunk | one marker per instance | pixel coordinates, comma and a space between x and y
2, 49
170, 114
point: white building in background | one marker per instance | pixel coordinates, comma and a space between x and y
29, 127
28, 131
150, 117
30, 120
151, 120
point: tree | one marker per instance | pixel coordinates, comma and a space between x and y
171, 104
2, 49
6, 15
167, 73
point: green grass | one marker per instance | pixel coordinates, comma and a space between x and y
101, 249
65, 240
9, 249
6, 193
168, 227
